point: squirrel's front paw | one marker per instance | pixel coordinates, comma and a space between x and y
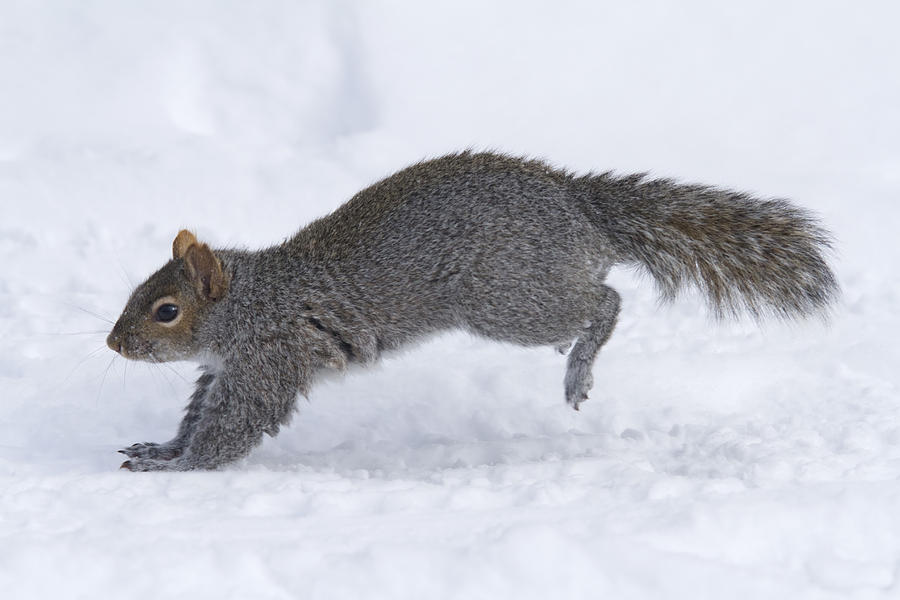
152, 450
151, 464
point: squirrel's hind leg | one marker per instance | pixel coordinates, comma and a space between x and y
579, 378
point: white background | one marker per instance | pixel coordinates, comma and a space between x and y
713, 460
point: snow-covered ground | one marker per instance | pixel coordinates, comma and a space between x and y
713, 460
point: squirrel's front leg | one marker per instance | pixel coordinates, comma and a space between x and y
241, 403
175, 447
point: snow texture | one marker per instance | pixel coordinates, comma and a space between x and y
713, 460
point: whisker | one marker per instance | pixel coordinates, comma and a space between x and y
75, 332
89, 355
166, 379
93, 314
125, 273
157, 372
153, 374
105, 373
169, 367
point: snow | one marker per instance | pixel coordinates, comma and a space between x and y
713, 460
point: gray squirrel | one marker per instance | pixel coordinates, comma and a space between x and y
505, 248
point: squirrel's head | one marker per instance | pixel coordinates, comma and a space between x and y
160, 320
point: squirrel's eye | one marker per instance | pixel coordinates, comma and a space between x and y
166, 312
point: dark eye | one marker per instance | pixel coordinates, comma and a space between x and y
166, 313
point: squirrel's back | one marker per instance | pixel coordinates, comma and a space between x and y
468, 233
497, 218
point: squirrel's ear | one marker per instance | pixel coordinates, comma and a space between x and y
205, 271
184, 240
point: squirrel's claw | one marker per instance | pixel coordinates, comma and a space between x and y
577, 404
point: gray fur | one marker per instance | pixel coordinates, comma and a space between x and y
505, 248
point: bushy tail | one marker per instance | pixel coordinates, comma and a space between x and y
746, 254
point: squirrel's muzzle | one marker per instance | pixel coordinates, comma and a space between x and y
114, 343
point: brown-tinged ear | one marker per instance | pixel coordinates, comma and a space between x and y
184, 240
205, 272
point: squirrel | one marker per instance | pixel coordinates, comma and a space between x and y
506, 248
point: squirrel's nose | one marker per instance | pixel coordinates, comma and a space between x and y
112, 340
